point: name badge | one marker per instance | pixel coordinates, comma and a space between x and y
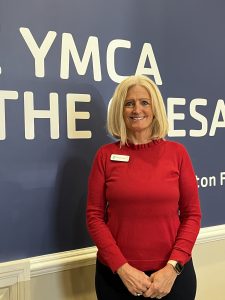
118, 157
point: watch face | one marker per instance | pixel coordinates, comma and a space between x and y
179, 268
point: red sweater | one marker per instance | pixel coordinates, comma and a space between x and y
144, 211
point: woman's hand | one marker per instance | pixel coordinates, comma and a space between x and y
161, 282
137, 282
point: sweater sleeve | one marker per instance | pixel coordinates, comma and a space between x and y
190, 214
95, 214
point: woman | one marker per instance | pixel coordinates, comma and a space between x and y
143, 209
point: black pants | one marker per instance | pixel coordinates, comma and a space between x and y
109, 286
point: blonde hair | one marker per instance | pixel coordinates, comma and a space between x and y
115, 122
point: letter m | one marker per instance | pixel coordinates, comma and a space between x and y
91, 50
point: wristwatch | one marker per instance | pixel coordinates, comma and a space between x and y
178, 267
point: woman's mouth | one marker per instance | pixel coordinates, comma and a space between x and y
137, 118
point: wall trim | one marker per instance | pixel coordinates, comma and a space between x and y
211, 234
56, 262
61, 261
15, 279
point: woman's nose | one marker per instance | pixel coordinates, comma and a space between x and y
136, 108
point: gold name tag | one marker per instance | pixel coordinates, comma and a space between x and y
118, 157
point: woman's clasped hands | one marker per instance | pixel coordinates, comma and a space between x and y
158, 285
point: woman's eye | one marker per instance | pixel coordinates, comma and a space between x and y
145, 102
128, 104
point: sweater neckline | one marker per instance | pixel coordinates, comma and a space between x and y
143, 146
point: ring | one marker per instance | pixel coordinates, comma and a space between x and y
138, 294
158, 297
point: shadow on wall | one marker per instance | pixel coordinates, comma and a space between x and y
72, 178
82, 283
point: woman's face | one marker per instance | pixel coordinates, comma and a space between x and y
137, 111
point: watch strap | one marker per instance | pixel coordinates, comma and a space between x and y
178, 267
